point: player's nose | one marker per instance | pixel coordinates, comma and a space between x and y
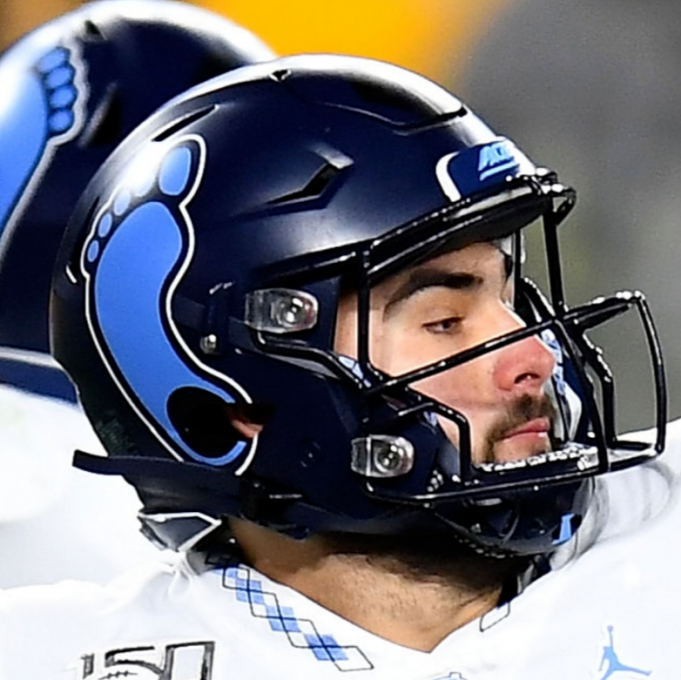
524, 366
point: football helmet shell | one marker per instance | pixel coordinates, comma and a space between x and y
202, 272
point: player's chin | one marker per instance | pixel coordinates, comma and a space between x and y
521, 446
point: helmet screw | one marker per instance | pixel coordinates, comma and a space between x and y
390, 458
209, 344
382, 456
310, 453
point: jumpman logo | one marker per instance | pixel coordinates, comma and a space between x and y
610, 661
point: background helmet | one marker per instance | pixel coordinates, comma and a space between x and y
202, 272
72, 90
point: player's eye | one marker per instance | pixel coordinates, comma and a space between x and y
448, 325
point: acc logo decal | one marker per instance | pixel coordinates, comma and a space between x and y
462, 173
493, 159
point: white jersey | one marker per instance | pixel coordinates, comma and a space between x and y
608, 614
57, 522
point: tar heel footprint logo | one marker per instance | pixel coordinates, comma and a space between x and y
183, 661
138, 249
612, 667
44, 110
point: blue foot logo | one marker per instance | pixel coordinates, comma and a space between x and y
42, 110
139, 246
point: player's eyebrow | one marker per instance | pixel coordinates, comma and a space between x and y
420, 279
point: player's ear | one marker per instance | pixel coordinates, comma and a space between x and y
246, 429
249, 419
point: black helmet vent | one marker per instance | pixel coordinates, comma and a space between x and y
183, 123
92, 31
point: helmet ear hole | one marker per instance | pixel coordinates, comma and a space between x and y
204, 421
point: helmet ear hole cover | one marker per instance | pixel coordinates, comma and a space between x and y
209, 277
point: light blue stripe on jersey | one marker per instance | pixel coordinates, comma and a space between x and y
301, 633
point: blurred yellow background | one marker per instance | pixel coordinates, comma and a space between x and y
428, 36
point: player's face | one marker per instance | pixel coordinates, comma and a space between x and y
441, 307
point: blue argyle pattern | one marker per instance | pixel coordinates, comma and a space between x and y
301, 633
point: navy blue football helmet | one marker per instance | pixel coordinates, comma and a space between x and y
201, 274
71, 90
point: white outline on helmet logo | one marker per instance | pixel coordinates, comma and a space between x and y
449, 189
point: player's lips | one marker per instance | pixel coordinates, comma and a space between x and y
537, 426
528, 439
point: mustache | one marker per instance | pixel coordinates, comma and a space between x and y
518, 413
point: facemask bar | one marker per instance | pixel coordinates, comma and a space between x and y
568, 325
594, 453
592, 314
